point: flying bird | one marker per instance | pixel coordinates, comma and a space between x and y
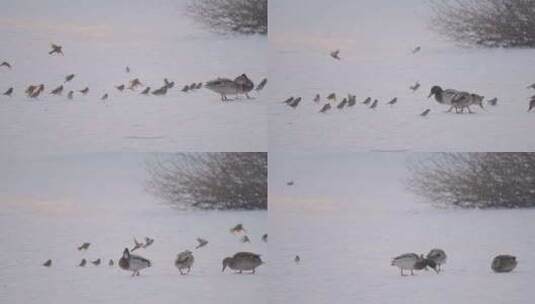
202, 243
137, 245
326, 107
56, 49
261, 85
5, 64
8, 92
335, 54
148, 242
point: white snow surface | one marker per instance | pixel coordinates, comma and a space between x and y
100, 38
348, 215
375, 38
51, 205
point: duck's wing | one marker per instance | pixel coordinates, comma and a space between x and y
406, 256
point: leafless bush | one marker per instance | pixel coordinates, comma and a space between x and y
241, 16
490, 23
210, 180
476, 180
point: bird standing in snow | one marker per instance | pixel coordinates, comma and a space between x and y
48, 263
202, 243
96, 262
184, 260
5, 64
424, 113
265, 237
133, 263
297, 259
69, 77
56, 49
238, 228
335, 54
393, 101
8, 92
416, 49
438, 256
504, 263
374, 104
493, 101
531, 104
317, 98
84, 91
261, 85
326, 107
82, 263
415, 86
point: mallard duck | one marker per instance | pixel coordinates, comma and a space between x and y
133, 263
242, 261
184, 260
412, 261
504, 263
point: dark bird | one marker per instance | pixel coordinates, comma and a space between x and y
416, 49
110, 263
70, 94
237, 228
342, 104
331, 96
199, 85
37, 91
504, 263
351, 100
56, 49
148, 242
295, 103
289, 100
393, 101
127, 69
120, 87
531, 86
242, 261
137, 245
5, 64
202, 243
47, 263
335, 54
82, 263
317, 98
374, 104
245, 239
30, 89
134, 83
184, 260
265, 237
96, 262
160, 91
185, 88
69, 77
8, 92
84, 91
415, 86
104, 97
84, 246
367, 101
261, 85
531, 104
146, 91
326, 107
297, 259
493, 101
57, 91
290, 183
424, 113
170, 84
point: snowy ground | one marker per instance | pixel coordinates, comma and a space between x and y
348, 215
49, 206
99, 41
375, 39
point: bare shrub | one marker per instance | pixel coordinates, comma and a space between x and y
476, 180
490, 23
240, 16
210, 180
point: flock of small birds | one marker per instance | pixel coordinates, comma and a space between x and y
456, 99
241, 261
223, 86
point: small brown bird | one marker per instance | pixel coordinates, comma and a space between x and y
70, 94
374, 104
8, 92
326, 107
415, 86
351, 100
245, 239
146, 91
104, 97
331, 96
57, 91
297, 259
5, 64
185, 88
137, 245
295, 102
393, 101
127, 69
160, 91
237, 228
342, 104
82, 263
134, 83
367, 100
110, 263
199, 85
202, 243
265, 237
424, 113
56, 49
37, 91
69, 77
416, 49
84, 91
170, 84
317, 98
84, 246
289, 100
96, 262
120, 87
335, 54
47, 263
493, 101
30, 89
